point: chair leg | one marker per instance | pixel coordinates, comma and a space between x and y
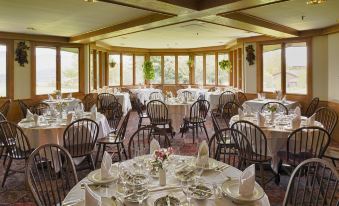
1, 151
205, 131
97, 157
261, 167
119, 153
183, 129
124, 151
140, 122
193, 128
7, 171
90, 162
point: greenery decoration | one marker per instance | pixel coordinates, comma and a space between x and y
112, 63
148, 70
21, 53
225, 65
190, 62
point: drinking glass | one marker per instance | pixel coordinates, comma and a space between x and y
187, 190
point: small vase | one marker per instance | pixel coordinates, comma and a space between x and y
272, 117
162, 177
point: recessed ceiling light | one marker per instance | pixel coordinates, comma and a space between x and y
91, 1
30, 28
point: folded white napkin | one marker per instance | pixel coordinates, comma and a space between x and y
36, 119
297, 111
284, 99
29, 115
203, 155
94, 112
91, 199
296, 122
279, 95
50, 97
70, 116
247, 181
311, 120
261, 119
241, 114
259, 96
69, 95
106, 165
154, 145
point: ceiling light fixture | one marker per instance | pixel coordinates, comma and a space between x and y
314, 2
91, 1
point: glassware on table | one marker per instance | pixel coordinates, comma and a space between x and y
186, 186
140, 192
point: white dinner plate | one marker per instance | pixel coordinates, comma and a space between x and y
230, 188
95, 177
105, 201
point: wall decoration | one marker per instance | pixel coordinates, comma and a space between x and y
250, 57
225, 65
21, 53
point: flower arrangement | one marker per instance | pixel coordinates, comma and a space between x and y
225, 65
169, 94
60, 106
272, 108
162, 155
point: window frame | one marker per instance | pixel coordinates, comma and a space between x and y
58, 47
9, 68
309, 82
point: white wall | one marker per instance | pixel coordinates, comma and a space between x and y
250, 72
320, 67
333, 67
22, 76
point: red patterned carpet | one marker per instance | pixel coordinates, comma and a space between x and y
16, 193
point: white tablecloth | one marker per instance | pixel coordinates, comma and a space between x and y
53, 134
144, 93
256, 104
177, 112
213, 98
72, 103
276, 135
195, 91
208, 177
125, 101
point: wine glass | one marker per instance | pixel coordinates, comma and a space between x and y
122, 170
187, 190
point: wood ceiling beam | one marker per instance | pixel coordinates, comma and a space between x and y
322, 31
259, 22
33, 37
190, 4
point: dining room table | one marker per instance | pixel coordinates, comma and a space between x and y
177, 111
71, 103
213, 97
143, 94
216, 185
276, 132
122, 97
196, 92
255, 105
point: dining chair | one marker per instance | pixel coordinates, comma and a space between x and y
141, 139
157, 112
281, 107
229, 110
223, 148
225, 97
156, 96
89, 100
304, 143
116, 140
253, 149
313, 182
187, 95
142, 115
241, 98
113, 113
2, 144
327, 117
16, 144
50, 174
23, 108
39, 108
80, 138
105, 99
312, 107
4, 108
197, 118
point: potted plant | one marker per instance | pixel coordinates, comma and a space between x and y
148, 70
225, 65
112, 64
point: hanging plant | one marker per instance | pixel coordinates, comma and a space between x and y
225, 65
190, 62
112, 64
21, 53
250, 57
148, 70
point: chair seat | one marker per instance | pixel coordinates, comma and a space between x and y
109, 140
19, 154
79, 150
261, 158
160, 121
194, 119
332, 152
297, 157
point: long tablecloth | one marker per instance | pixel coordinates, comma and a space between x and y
256, 104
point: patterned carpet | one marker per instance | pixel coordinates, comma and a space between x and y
16, 193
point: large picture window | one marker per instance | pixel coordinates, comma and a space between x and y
199, 69
210, 69
127, 68
157, 67
271, 67
69, 69
91, 72
3, 70
183, 70
45, 70
139, 74
114, 71
223, 76
169, 69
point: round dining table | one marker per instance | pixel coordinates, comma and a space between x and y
276, 133
172, 187
177, 111
144, 93
71, 102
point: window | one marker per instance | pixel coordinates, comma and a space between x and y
91, 72
69, 69
199, 70
139, 74
271, 67
45, 70
296, 68
98, 70
157, 67
169, 69
127, 68
210, 69
114, 72
183, 70
3, 70
223, 76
